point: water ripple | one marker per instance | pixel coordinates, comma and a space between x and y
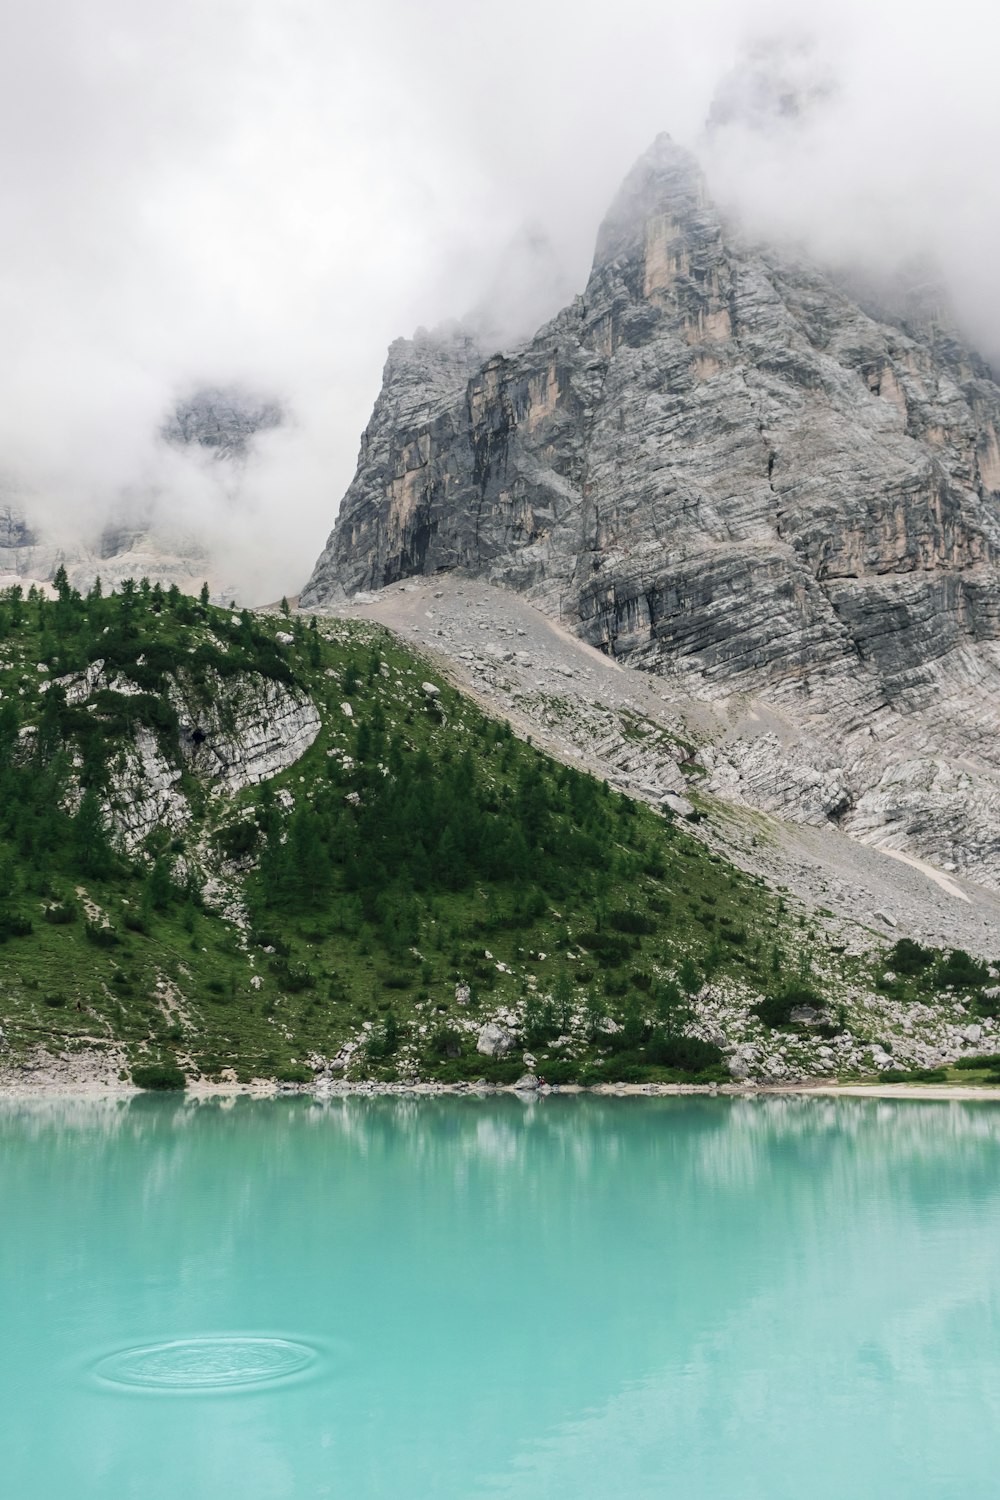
207, 1364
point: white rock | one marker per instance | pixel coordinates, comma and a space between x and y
494, 1041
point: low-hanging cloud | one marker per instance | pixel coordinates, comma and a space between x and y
266, 194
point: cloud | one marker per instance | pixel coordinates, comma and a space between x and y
246, 191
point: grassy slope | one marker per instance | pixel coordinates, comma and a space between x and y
552, 947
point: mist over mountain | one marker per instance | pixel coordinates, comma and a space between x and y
267, 198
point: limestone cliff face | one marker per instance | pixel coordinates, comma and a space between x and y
233, 732
720, 464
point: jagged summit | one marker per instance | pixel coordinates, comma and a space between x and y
666, 184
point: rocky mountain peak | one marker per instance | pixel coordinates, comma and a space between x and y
776, 491
663, 193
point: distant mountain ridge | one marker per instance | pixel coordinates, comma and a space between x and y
137, 536
723, 465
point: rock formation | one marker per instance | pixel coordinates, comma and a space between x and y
730, 468
223, 421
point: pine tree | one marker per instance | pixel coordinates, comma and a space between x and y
90, 839
159, 884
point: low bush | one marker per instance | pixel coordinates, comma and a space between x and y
12, 925
158, 1076
628, 920
688, 1054
913, 1075
102, 935
559, 1070
608, 947
293, 977
776, 1010
237, 840
959, 970
908, 957
61, 913
294, 1073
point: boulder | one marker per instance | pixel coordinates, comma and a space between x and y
494, 1040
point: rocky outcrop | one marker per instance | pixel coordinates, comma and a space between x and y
238, 731
724, 466
232, 732
143, 794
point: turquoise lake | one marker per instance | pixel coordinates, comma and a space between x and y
459, 1297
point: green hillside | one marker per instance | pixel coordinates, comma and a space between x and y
417, 872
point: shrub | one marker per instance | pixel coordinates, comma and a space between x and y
559, 1070
628, 920
445, 1042
988, 1060
159, 1076
237, 840
265, 937
908, 957
294, 1073
61, 913
608, 947
13, 925
293, 977
959, 970
55, 1002
913, 1075
102, 935
776, 1010
689, 1054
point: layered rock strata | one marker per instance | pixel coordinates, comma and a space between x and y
723, 466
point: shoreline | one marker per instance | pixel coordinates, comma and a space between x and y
265, 1089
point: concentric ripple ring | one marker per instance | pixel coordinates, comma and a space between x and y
207, 1364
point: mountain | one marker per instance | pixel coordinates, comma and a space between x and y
223, 421
137, 535
769, 485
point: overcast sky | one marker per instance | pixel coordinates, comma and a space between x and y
269, 191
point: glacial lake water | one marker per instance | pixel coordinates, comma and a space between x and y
274, 1300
